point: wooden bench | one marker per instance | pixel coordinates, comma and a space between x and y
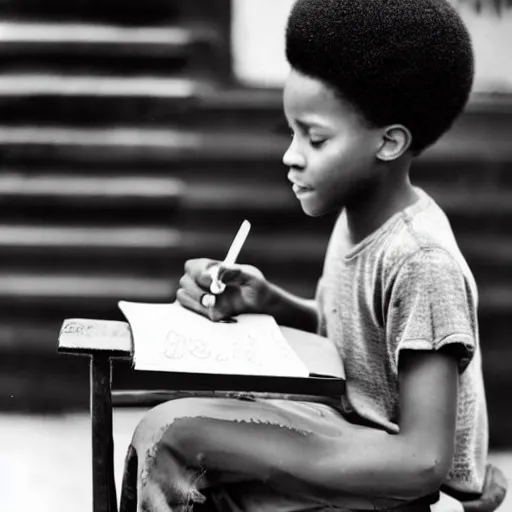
104, 341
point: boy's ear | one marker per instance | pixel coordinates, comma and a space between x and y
396, 140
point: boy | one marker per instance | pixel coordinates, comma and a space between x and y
372, 84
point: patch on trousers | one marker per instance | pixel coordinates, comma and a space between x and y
154, 500
162, 489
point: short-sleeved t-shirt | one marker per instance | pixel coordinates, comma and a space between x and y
406, 286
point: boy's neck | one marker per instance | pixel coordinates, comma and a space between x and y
388, 198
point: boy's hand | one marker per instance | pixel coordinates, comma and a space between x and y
493, 494
246, 289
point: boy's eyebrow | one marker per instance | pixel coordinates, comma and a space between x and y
304, 124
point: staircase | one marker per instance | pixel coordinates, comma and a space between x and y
127, 148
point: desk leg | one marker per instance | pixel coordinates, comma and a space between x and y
104, 488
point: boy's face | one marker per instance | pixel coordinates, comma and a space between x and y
332, 156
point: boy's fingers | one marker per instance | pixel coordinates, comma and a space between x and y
203, 271
188, 302
191, 288
194, 303
230, 275
196, 268
199, 271
209, 274
220, 277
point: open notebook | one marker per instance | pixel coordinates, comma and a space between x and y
170, 338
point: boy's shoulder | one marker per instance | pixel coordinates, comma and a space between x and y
421, 231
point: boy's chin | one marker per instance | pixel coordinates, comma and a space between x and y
315, 210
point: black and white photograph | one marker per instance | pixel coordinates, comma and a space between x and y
255, 255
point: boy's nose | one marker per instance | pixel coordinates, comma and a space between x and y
292, 158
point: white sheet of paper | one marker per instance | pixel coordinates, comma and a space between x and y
168, 337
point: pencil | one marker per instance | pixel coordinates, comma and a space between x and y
217, 286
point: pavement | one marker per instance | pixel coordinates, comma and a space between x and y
45, 461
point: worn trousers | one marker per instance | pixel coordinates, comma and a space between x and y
224, 454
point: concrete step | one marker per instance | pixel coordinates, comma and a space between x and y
495, 299
90, 48
78, 191
100, 38
473, 202
36, 294
63, 87
127, 11
29, 335
36, 286
142, 100
135, 146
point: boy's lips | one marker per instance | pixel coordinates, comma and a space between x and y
298, 187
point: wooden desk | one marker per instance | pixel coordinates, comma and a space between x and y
104, 340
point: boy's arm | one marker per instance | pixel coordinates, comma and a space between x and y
290, 310
248, 292
363, 461
369, 462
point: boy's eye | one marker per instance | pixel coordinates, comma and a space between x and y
317, 142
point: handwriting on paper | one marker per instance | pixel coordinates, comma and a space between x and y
179, 346
168, 337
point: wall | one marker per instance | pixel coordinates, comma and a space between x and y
258, 43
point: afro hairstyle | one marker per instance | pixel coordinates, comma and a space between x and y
406, 62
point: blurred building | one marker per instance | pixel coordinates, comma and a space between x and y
135, 135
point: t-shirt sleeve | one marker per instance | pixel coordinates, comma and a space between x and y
431, 306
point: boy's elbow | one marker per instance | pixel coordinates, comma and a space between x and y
428, 474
